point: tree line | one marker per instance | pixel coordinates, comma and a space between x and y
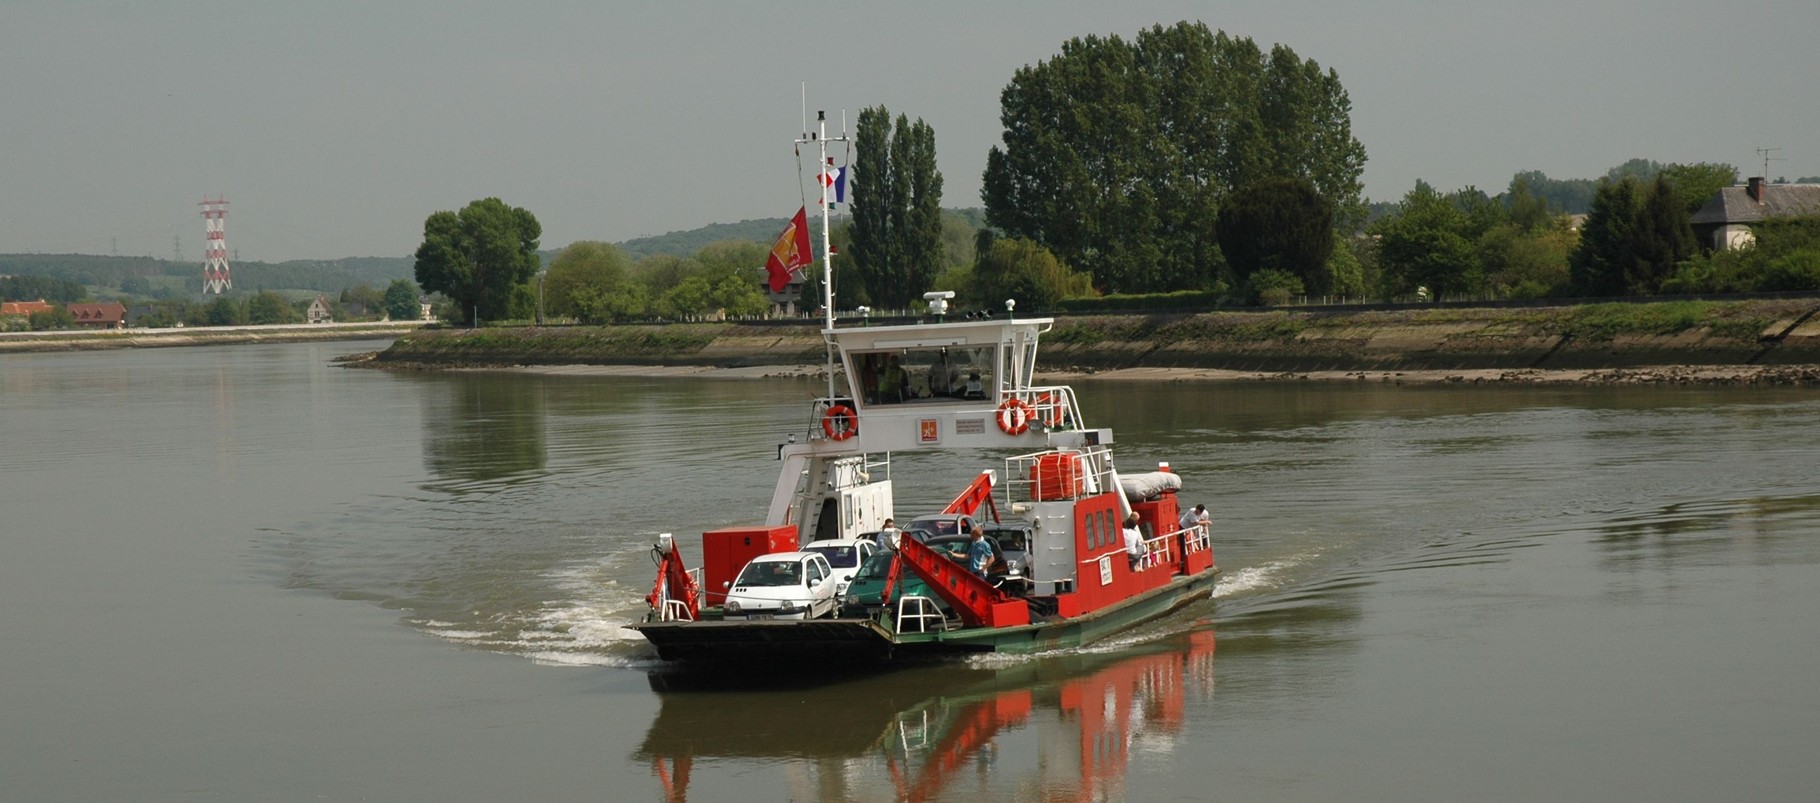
1180, 161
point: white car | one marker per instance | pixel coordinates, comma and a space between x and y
784, 585
845, 556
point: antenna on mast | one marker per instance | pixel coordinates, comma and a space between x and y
1765, 153
820, 138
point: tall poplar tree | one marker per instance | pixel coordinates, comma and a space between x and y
1116, 155
897, 196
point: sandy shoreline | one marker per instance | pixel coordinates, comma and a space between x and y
1807, 375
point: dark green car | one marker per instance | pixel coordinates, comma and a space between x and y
865, 594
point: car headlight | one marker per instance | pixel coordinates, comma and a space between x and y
732, 606
852, 599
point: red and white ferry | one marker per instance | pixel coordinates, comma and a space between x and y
955, 385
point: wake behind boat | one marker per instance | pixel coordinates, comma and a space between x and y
936, 384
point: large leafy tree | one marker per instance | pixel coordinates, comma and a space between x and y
591, 280
267, 307
1429, 243
1697, 183
478, 255
897, 219
1278, 224
1116, 155
1021, 270
401, 300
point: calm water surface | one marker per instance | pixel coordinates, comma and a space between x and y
244, 573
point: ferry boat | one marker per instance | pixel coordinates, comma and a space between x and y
968, 385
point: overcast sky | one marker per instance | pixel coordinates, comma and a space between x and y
334, 128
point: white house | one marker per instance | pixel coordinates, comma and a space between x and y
1726, 219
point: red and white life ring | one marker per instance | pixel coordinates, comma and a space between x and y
1014, 416
840, 423
1053, 408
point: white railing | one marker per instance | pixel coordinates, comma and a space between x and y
677, 610
1058, 474
1052, 407
1196, 539
925, 611
1160, 550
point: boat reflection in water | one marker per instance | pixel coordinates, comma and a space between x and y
1061, 728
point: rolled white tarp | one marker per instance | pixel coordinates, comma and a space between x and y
1139, 487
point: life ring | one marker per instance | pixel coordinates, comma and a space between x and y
840, 423
1014, 416
1053, 408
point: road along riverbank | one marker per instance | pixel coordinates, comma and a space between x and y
102, 339
1681, 342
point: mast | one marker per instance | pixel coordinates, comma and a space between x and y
820, 138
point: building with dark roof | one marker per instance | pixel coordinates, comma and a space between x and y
1726, 219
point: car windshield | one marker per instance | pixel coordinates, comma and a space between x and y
1011, 539
939, 526
878, 565
840, 557
771, 573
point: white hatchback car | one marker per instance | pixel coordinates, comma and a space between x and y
845, 556
784, 585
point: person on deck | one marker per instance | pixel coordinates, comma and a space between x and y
979, 553
1134, 542
888, 536
1196, 520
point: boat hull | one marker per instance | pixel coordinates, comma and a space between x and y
824, 641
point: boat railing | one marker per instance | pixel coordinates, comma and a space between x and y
918, 610
1051, 407
1160, 551
1058, 474
1196, 539
820, 426
677, 610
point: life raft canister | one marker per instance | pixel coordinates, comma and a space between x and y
1014, 416
1053, 408
840, 423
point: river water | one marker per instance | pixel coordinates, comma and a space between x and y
243, 572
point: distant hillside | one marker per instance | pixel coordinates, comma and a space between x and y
685, 243
148, 276
761, 230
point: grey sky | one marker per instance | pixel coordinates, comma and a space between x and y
334, 128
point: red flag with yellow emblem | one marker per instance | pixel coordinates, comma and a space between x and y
791, 251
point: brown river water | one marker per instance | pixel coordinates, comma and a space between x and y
245, 573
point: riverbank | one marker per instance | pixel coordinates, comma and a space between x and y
1684, 342
104, 339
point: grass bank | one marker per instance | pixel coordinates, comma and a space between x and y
1704, 333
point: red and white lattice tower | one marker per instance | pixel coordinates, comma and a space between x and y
214, 249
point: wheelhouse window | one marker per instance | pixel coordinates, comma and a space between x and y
947, 374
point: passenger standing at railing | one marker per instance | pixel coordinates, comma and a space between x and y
1196, 521
1134, 542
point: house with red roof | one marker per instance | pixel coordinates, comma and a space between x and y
24, 308
103, 315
